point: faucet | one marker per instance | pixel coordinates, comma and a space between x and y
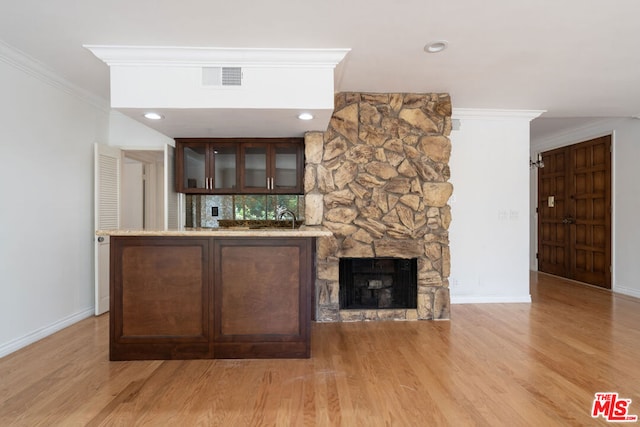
281, 211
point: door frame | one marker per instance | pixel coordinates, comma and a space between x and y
561, 140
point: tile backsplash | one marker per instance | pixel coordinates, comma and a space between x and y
199, 208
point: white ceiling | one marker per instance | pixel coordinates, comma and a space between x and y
573, 58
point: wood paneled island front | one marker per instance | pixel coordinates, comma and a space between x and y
197, 294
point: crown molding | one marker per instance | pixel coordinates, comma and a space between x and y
495, 114
595, 129
31, 66
214, 56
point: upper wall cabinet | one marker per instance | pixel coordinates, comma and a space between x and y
274, 167
206, 167
239, 165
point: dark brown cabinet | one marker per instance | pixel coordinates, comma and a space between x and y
275, 167
160, 298
207, 166
239, 165
176, 297
262, 297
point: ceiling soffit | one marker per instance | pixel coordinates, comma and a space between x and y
285, 81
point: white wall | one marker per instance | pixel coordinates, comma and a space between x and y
489, 232
127, 133
48, 129
625, 193
46, 219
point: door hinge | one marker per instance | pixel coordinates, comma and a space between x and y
536, 210
536, 255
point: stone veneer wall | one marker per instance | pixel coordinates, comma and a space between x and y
378, 179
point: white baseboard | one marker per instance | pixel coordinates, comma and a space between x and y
37, 335
491, 299
627, 291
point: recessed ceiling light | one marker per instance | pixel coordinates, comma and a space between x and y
305, 116
436, 46
153, 116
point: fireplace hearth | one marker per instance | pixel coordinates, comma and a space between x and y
378, 283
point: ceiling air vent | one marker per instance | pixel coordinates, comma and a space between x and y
222, 76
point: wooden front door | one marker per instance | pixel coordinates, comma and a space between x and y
574, 212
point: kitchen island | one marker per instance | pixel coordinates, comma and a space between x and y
211, 293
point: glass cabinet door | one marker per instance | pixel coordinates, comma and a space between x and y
239, 166
224, 167
286, 168
195, 167
255, 168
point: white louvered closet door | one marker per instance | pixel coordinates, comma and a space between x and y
107, 172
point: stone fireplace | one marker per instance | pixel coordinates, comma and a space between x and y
378, 179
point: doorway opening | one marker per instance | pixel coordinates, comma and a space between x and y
142, 189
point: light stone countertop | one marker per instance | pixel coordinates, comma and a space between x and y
303, 231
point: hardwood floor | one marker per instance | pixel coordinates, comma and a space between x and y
491, 365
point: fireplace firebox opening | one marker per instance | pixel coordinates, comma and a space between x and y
372, 283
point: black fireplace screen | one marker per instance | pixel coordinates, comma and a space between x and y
368, 283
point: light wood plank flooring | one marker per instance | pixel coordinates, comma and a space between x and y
533, 364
